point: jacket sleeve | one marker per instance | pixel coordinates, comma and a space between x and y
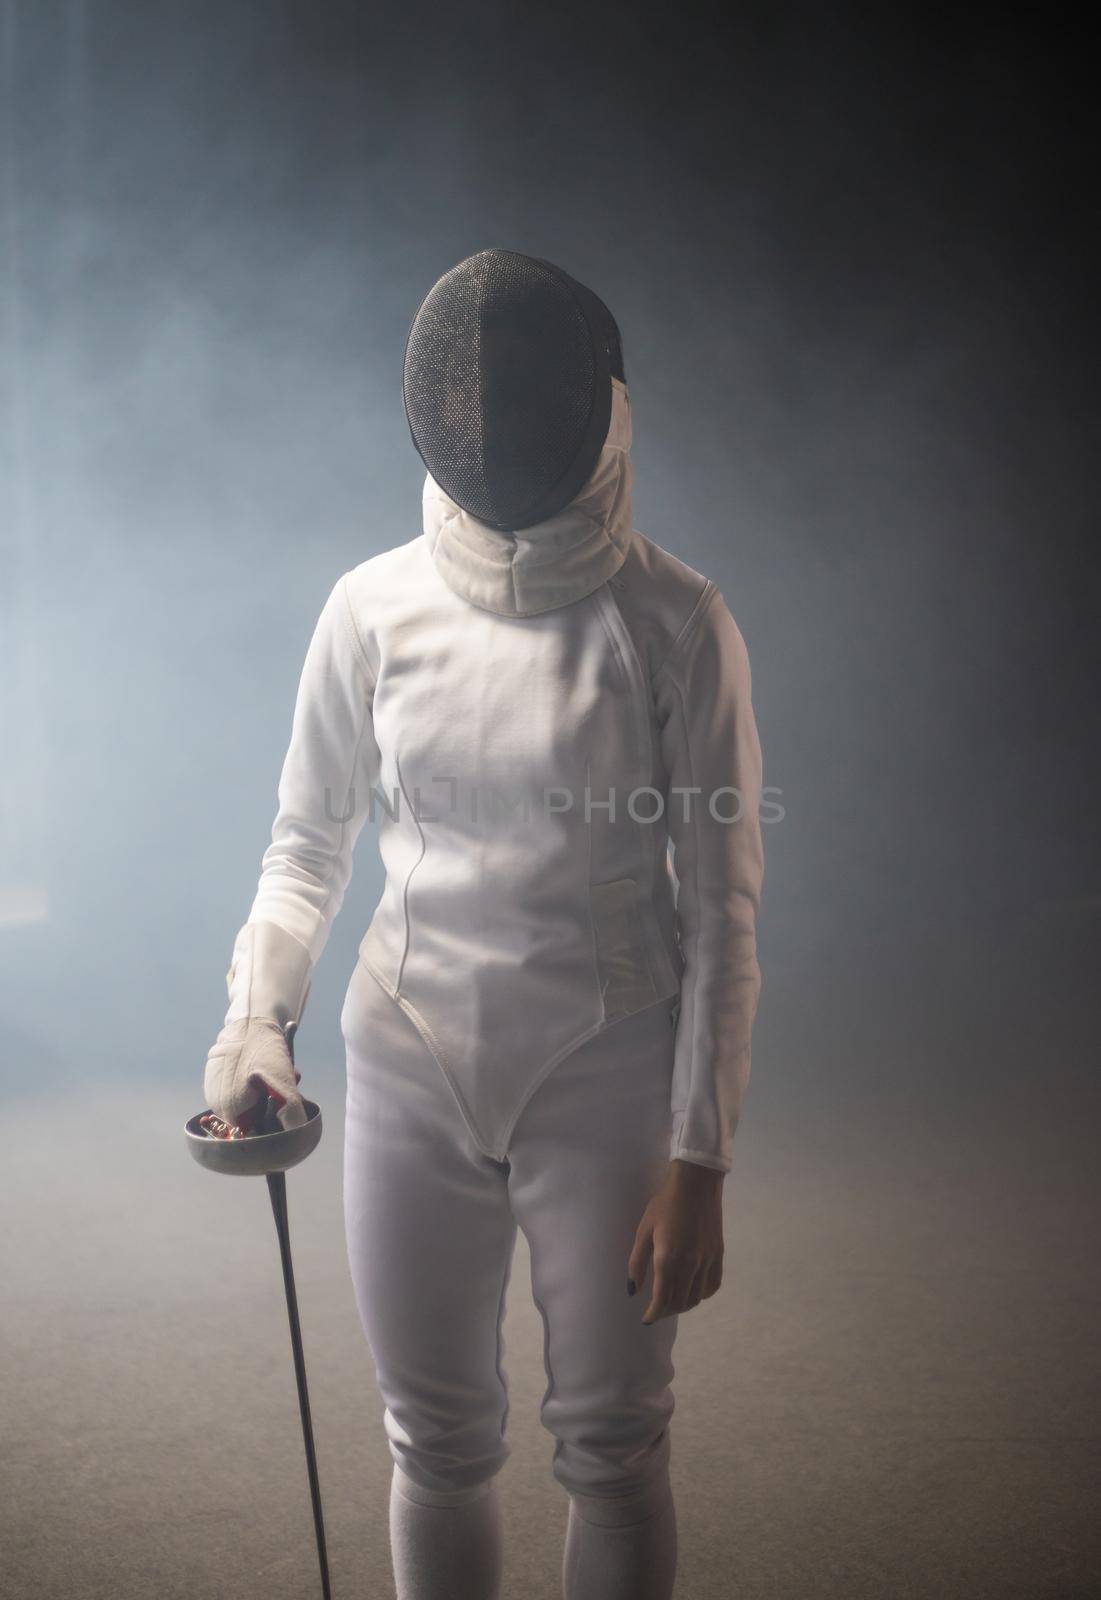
323, 798
712, 759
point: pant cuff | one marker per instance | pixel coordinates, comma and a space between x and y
619, 1511
411, 1490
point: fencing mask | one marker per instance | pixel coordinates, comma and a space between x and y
508, 392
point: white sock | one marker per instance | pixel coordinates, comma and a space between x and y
620, 1550
445, 1547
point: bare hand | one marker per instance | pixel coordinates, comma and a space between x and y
681, 1235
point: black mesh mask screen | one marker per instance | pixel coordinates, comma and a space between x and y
508, 386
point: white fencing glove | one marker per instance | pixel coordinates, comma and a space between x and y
268, 983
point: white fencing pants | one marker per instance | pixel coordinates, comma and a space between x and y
431, 1224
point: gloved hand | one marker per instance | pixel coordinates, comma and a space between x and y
268, 982
250, 1059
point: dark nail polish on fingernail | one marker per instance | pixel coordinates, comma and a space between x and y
631, 1286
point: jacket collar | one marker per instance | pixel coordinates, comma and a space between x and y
554, 562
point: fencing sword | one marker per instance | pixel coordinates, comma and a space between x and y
272, 1150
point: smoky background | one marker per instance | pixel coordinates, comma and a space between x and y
851, 254
850, 260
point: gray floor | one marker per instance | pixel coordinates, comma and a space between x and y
894, 1395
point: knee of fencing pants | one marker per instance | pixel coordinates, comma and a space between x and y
407, 1486
612, 1437
456, 1460
623, 1510
611, 1465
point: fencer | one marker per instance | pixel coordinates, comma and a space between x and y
548, 719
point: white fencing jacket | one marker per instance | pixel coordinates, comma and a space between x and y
553, 734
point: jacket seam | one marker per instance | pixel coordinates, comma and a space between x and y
695, 889
548, 1067
440, 1056
644, 762
707, 594
351, 628
408, 876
